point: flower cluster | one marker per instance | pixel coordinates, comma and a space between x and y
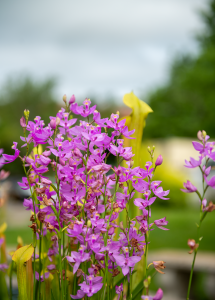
206, 153
79, 209
205, 149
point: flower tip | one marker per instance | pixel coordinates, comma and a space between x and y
64, 98
159, 160
72, 99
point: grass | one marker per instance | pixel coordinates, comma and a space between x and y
181, 224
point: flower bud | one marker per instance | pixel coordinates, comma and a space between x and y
121, 225
199, 135
22, 122
65, 204
147, 282
26, 113
159, 160
72, 99
111, 231
57, 121
89, 223
41, 216
192, 244
53, 123
159, 265
131, 163
204, 134
64, 98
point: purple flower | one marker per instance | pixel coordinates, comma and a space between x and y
23, 122
210, 182
3, 267
10, 158
80, 294
41, 277
159, 160
160, 223
91, 286
78, 258
126, 262
193, 163
4, 174
190, 188
72, 100
1, 241
28, 203
157, 296
119, 290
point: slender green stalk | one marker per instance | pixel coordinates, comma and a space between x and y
191, 275
202, 215
11, 277
40, 265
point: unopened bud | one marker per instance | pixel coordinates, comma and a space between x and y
204, 134
65, 204
26, 113
131, 163
149, 149
64, 98
53, 123
72, 99
89, 223
199, 135
192, 244
121, 225
111, 231
22, 122
41, 216
159, 160
57, 121
117, 112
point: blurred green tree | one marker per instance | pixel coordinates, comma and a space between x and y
186, 103
17, 95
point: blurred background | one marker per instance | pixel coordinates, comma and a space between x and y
163, 51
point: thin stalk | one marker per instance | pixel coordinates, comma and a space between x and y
60, 268
191, 274
11, 274
198, 230
40, 250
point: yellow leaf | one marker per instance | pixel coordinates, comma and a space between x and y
19, 241
3, 227
137, 121
23, 254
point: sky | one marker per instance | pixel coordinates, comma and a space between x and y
96, 47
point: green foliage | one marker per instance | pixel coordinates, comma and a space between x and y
186, 103
16, 96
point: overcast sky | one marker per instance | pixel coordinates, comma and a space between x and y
96, 47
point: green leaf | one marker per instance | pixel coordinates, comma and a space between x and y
137, 291
21, 256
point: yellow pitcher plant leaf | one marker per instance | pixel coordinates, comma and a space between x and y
21, 256
3, 227
137, 121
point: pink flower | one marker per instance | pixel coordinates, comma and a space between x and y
189, 187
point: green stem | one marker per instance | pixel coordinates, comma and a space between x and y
11, 274
40, 250
191, 275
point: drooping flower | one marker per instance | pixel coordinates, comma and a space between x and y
189, 187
